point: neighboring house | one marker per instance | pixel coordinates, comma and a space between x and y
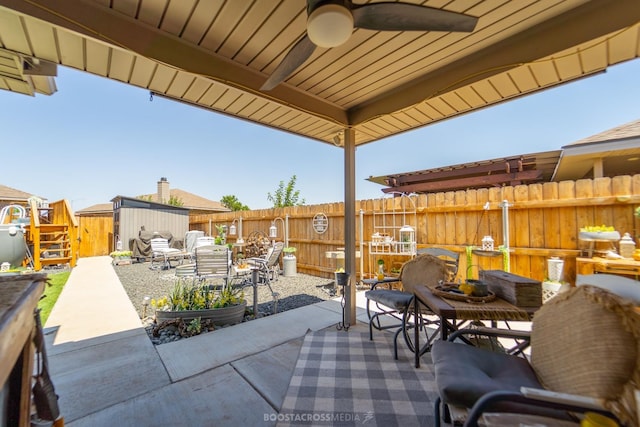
10, 196
195, 203
611, 153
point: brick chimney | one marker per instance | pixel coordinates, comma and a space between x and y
163, 190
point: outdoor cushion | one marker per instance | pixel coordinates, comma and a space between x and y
397, 300
589, 347
483, 371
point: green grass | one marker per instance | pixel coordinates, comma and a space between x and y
56, 282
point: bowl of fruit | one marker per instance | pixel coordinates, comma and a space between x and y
599, 232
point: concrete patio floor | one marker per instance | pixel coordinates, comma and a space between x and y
106, 370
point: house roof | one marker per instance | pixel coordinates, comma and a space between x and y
8, 193
217, 55
191, 201
100, 208
613, 152
625, 131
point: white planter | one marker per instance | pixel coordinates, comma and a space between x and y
289, 266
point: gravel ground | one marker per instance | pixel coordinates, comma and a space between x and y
139, 281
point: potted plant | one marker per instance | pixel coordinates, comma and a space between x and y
221, 238
121, 257
224, 307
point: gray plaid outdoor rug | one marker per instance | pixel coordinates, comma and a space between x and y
341, 378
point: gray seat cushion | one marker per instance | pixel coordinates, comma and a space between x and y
397, 300
465, 373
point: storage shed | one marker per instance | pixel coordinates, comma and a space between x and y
131, 215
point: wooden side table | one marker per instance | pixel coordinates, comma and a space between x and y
19, 294
624, 266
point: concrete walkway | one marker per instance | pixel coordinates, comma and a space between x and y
107, 372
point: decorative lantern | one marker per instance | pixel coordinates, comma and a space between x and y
487, 243
407, 238
627, 246
273, 230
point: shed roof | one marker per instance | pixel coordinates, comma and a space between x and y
135, 202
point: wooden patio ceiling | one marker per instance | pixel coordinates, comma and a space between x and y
216, 54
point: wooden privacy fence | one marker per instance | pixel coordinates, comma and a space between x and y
543, 221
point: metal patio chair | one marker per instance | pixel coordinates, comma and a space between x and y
423, 270
584, 356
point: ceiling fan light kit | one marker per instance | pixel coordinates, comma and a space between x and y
330, 25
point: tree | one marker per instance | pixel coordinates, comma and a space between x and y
175, 201
232, 202
286, 195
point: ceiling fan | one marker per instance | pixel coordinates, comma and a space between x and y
331, 22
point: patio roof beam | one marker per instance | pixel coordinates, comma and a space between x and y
586, 22
119, 30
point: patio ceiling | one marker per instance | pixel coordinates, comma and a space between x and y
217, 54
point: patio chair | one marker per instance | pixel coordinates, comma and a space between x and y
212, 262
619, 285
264, 270
424, 270
450, 258
162, 254
584, 356
268, 266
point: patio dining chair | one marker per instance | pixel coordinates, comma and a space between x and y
212, 262
423, 270
584, 357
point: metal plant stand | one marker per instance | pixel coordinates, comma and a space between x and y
342, 279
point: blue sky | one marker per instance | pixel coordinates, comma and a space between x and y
95, 139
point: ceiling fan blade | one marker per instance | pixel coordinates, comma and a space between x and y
410, 17
298, 54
